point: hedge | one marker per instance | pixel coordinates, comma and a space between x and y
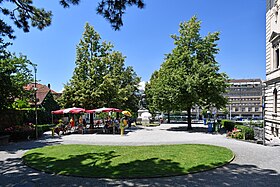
248, 132
228, 124
26, 131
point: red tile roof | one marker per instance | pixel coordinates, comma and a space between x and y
42, 91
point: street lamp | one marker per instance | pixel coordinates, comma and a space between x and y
263, 110
35, 95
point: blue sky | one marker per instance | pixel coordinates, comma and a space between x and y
145, 36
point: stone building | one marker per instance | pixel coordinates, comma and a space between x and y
245, 99
272, 110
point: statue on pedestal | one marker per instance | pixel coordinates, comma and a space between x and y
142, 102
143, 110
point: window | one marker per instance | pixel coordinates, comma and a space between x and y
276, 57
256, 109
275, 101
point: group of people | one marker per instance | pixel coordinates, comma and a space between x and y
111, 125
114, 125
70, 126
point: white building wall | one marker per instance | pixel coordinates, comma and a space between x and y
272, 118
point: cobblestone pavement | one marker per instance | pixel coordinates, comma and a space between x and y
254, 164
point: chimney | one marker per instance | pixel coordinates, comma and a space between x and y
49, 86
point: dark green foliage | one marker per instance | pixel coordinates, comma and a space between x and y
25, 131
248, 132
256, 124
111, 10
49, 104
114, 10
20, 132
228, 125
11, 118
14, 75
238, 130
45, 128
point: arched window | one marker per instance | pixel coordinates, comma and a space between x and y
275, 101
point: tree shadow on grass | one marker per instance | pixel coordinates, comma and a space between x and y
100, 165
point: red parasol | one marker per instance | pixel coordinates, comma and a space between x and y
73, 110
104, 110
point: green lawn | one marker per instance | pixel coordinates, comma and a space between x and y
127, 161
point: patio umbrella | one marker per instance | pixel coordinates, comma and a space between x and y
73, 110
58, 111
127, 113
104, 110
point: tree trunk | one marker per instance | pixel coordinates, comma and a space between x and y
91, 119
189, 119
168, 117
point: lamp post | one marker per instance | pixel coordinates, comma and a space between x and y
230, 111
35, 102
263, 110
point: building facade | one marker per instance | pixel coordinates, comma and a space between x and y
245, 99
272, 90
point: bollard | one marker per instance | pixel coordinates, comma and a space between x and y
122, 131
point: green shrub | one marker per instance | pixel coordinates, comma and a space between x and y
256, 124
26, 131
45, 127
228, 124
238, 123
247, 132
238, 135
20, 132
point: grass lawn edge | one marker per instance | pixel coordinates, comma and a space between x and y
140, 177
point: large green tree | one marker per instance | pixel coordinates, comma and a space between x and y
14, 75
25, 14
100, 77
190, 74
161, 95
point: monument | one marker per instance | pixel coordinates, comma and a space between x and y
143, 118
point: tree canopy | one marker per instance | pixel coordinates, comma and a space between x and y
190, 74
14, 75
100, 77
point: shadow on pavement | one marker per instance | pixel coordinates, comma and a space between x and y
194, 130
45, 140
14, 173
230, 175
185, 128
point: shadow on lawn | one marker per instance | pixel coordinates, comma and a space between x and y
100, 165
